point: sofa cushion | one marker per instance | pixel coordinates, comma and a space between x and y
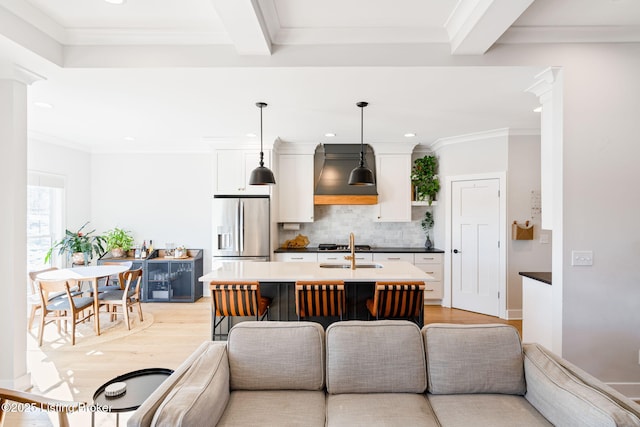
201, 394
379, 409
554, 387
384, 356
474, 359
276, 356
495, 410
282, 408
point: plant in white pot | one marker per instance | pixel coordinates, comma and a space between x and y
80, 246
119, 241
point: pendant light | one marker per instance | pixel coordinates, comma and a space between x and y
261, 175
361, 175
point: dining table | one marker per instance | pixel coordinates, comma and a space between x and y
90, 273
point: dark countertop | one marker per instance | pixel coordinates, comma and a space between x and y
544, 277
314, 249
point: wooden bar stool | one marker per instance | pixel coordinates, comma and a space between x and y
393, 300
236, 298
320, 298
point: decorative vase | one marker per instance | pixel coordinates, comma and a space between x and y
428, 243
118, 253
77, 258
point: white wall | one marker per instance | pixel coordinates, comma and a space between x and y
523, 177
519, 156
165, 197
75, 166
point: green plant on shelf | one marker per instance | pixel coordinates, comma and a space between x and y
425, 179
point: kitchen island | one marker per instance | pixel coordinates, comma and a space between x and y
277, 281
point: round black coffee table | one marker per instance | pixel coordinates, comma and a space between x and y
140, 385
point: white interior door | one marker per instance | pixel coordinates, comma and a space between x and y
475, 244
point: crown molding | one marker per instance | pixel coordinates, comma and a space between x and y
127, 37
353, 35
33, 135
476, 136
571, 34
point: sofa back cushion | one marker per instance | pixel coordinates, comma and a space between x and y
384, 356
201, 393
474, 359
276, 356
568, 396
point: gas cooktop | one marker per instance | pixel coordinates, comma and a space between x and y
336, 247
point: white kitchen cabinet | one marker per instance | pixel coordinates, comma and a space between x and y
233, 169
391, 257
431, 263
297, 257
295, 188
338, 257
394, 187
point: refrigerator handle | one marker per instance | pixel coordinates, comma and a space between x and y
236, 234
241, 224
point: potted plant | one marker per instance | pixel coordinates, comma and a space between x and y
427, 225
118, 241
424, 178
79, 246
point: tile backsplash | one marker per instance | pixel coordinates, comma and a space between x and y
333, 223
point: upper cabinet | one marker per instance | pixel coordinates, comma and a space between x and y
232, 171
295, 187
393, 170
294, 177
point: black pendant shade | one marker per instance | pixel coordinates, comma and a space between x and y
361, 175
261, 175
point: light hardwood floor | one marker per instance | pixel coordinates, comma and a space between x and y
74, 373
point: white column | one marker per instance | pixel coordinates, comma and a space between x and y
13, 225
549, 89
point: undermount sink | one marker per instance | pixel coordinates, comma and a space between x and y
327, 265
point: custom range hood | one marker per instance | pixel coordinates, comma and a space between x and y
332, 166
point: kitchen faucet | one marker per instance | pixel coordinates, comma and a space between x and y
352, 248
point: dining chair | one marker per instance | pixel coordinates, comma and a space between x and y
320, 298
236, 299
118, 284
61, 308
33, 299
43, 403
397, 300
125, 298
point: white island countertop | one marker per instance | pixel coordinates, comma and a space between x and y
293, 271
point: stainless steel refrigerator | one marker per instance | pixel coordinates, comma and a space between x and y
241, 228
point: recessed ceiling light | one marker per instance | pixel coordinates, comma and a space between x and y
330, 134
251, 135
43, 105
409, 135
129, 138
115, 1
537, 109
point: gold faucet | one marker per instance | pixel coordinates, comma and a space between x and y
352, 248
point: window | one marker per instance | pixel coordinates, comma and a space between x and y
45, 195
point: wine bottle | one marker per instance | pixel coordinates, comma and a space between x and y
150, 248
143, 251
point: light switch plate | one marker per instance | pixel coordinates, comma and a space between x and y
581, 258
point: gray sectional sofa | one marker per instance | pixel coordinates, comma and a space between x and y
380, 373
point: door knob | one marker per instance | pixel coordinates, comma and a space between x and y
455, 251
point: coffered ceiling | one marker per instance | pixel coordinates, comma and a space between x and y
177, 75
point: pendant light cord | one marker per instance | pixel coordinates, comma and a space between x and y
261, 151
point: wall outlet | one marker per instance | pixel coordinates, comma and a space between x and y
581, 258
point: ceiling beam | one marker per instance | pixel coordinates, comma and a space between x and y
475, 25
245, 26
